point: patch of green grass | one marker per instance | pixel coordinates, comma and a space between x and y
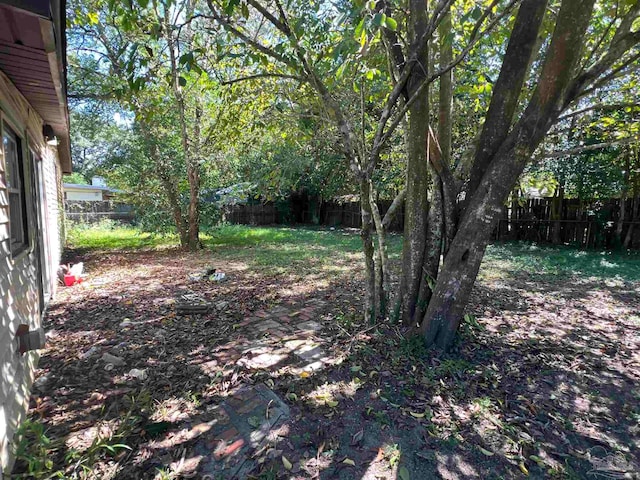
287, 248
561, 261
108, 236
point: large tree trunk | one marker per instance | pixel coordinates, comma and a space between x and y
506, 91
501, 171
417, 182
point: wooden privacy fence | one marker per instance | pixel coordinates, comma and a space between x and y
579, 223
347, 214
584, 224
79, 211
259, 214
335, 214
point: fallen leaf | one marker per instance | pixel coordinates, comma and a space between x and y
541, 463
417, 415
403, 474
523, 468
287, 464
331, 403
305, 374
348, 461
486, 452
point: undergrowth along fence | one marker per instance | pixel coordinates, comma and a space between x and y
82, 211
333, 214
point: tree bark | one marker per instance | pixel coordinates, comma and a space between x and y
432, 251
506, 92
445, 101
417, 180
623, 200
462, 262
382, 259
193, 167
368, 249
556, 213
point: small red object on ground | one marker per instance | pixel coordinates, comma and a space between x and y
70, 280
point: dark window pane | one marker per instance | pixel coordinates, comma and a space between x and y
15, 176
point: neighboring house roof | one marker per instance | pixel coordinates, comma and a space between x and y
33, 56
534, 192
95, 188
231, 195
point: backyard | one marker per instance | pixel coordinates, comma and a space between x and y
281, 378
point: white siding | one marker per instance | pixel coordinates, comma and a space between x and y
54, 216
87, 196
19, 292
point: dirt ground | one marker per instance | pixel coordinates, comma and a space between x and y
544, 383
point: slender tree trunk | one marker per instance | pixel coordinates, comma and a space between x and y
382, 259
176, 211
169, 185
193, 172
445, 103
432, 251
556, 214
623, 200
368, 249
193, 167
417, 182
445, 123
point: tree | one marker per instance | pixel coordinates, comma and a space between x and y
506, 146
301, 43
143, 57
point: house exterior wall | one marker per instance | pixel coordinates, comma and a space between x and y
20, 299
83, 195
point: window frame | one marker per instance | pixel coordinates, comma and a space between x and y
16, 247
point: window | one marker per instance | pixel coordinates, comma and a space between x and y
15, 183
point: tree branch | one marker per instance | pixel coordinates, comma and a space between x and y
244, 37
601, 107
263, 75
623, 40
395, 207
587, 148
381, 136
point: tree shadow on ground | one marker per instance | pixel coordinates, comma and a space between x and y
544, 381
